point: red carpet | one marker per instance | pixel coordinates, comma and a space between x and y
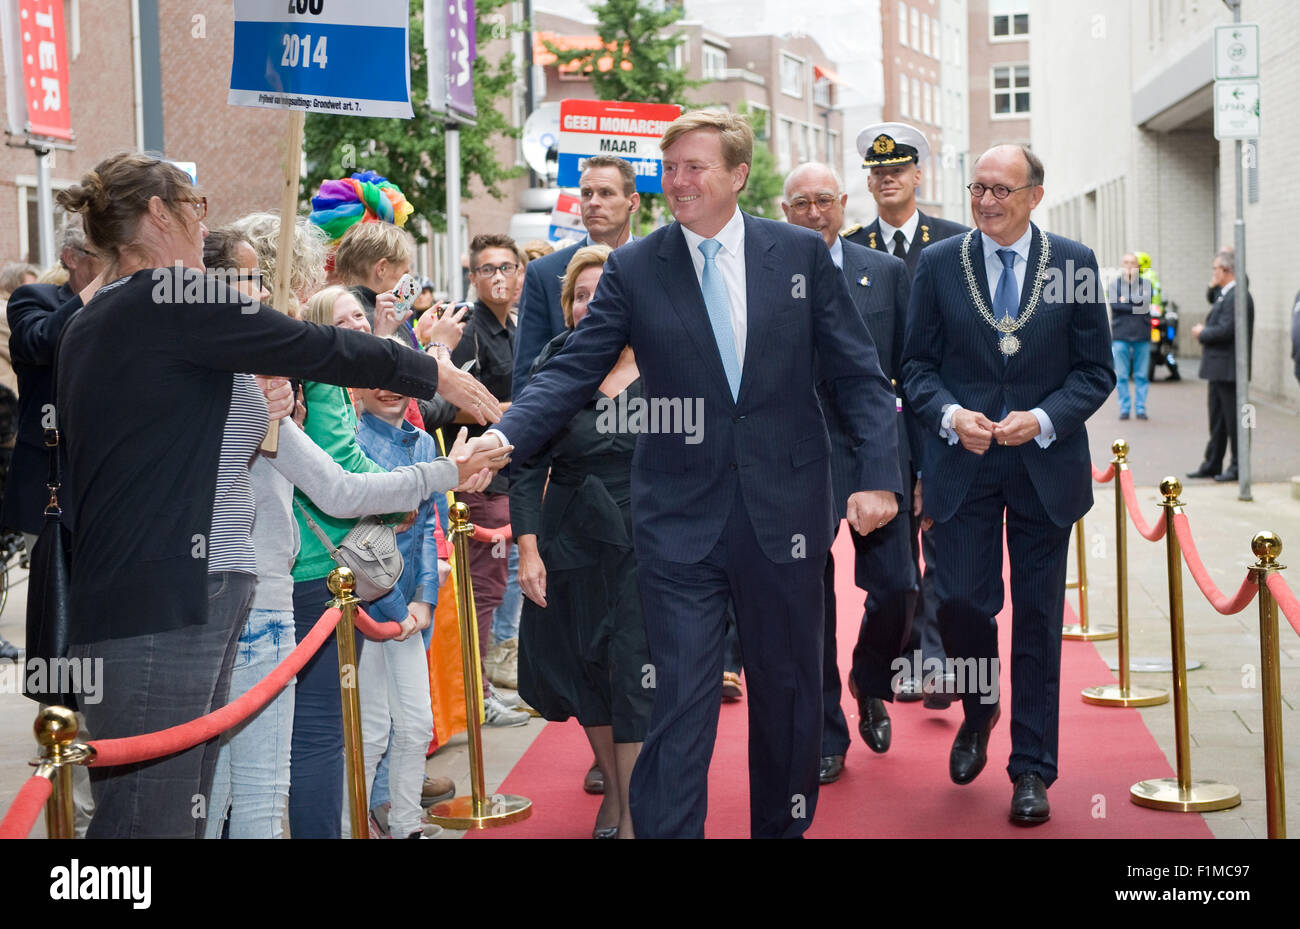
905, 793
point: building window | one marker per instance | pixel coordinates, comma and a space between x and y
903, 107
926, 113
818, 151
916, 98
925, 33
714, 61
805, 143
760, 117
822, 91
1010, 19
916, 29
1011, 90
791, 75
938, 107
784, 130
936, 41
902, 23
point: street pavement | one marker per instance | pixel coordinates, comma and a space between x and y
1224, 696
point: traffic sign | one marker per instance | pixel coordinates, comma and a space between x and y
1236, 51
323, 56
606, 127
1236, 109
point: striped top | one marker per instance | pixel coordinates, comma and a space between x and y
230, 543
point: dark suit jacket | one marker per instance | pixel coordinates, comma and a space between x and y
772, 439
37, 315
1219, 337
541, 318
879, 286
928, 231
1063, 366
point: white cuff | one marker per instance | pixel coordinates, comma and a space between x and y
945, 425
1046, 431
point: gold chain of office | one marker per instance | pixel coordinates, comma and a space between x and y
1009, 344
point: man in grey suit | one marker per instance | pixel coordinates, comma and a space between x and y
814, 198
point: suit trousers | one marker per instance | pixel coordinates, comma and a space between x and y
968, 572
1222, 402
684, 608
885, 570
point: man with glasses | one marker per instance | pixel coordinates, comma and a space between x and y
893, 154
884, 567
1003, 365
488, 345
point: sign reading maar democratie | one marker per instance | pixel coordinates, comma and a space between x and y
323, 56
606, 127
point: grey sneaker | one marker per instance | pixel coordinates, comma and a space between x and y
503, 664
510, 700
495, 713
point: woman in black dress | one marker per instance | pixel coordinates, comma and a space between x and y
582, 645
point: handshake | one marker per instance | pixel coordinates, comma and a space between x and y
477, 460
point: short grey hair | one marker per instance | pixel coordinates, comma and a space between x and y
72, 234
1227, 260
835, 176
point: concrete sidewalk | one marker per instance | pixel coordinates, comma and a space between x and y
1224, 696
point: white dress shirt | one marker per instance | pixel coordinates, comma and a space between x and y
730, 260
908, 229
993, 271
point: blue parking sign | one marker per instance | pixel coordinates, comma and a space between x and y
323, 56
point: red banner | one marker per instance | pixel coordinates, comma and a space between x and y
45, 68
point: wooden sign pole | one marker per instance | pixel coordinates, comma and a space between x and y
280, 296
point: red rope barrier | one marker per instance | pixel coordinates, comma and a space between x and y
373, 630
492, 535
18, 822
1103, 477
1285, 598
1135, 510
132, 749
1218, 599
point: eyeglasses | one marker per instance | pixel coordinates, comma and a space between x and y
507, 268
200, 207
824, 202
1000, 191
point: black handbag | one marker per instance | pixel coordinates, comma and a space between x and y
49, 619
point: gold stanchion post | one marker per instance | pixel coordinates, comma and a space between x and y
1267, 546
341, 584
56, 731
1180, 793
1080, 631
1124, 693
476, 811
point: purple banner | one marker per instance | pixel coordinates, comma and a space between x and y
461, 52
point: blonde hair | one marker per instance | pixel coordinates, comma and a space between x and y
589, 256
364, 245
320, 308
306, 264
735, 130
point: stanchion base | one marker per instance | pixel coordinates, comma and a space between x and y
1163, 793
1114, 695
1152, 665
1077, 633
498, 810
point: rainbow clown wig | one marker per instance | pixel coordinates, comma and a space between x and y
364, 197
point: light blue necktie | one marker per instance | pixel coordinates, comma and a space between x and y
714, 289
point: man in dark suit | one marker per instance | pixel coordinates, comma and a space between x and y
739, 317
1218, 338
894, 153
1006, 357
607, 187
814, 199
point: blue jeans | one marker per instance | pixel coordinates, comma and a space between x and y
252, 776
505, 619
1136, 355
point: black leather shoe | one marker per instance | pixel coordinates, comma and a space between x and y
970, 751
1029, 800
1227, 477
908, 690
943, 694
832, 767
873, 723
1203, 471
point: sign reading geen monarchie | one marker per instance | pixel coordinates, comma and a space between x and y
604, 127
323, 56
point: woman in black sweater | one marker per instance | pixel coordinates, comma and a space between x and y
159, 427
